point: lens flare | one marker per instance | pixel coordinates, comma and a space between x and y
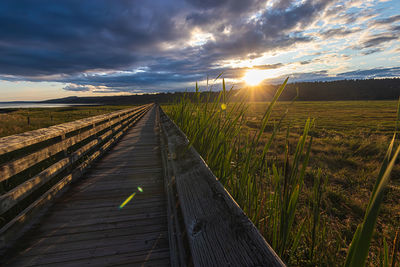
127, 200
140, 189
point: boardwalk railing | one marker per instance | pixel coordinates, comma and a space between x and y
36, 166
206, 226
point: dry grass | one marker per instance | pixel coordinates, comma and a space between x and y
27, 119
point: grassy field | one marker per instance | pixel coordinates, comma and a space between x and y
349, 143
307, 198
21, 120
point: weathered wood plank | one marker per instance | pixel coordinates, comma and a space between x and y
218, 231
89, 221
123, 253
88, 203
138, 240
49, 242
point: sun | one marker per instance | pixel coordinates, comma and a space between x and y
254, 77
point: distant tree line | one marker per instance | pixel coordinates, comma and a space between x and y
369, 89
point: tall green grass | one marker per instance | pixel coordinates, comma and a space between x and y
267, 191
269, 188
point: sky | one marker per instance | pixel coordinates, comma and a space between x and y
52, 49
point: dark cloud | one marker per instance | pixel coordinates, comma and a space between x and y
275, 21
388, 20
340, 32
325, 76
211, 13
378, 40
396, 28
371, 51
47, 37
283, 4
305, 62
76, 88
371, 73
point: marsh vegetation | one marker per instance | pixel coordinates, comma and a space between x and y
308, 174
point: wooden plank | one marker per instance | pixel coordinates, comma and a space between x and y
66, 239
91, 221
87, 204
68, 245
134, 208
90, 231
100, 254
218, 231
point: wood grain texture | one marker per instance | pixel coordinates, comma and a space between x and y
218, 231
86, 226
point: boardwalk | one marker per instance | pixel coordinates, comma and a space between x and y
86, 226
151, 200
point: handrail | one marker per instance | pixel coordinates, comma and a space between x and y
36, 166
17, 141
217, 231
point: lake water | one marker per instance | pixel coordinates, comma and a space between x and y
38, 105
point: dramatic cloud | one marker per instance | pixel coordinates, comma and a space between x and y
136, 46
48, 37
